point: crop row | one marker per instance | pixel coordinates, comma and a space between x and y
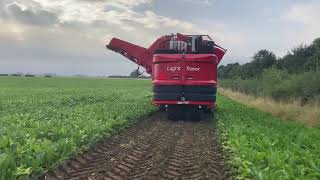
266, 147
46, 121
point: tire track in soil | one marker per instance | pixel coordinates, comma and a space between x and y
154, 148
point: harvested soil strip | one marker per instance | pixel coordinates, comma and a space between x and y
155, 148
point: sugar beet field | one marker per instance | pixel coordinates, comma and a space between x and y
91, 128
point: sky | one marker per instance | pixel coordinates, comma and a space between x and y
68, 37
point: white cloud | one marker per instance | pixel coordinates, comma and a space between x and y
85, 11
151, 20
96, 18
306, 15
84, 26
297, 24
199, 2
132, 3
144, 27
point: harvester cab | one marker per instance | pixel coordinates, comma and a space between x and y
183, 70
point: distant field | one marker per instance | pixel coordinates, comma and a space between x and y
45, 120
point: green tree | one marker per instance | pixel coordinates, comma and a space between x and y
263, 59
225, 71
300, 59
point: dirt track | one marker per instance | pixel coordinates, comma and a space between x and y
153, 149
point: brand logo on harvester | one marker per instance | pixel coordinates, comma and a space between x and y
192, 68
173, 68
178, 68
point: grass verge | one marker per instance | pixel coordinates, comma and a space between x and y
308, 114
265, 147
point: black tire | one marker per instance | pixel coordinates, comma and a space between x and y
162, 107
213, 113
194, 113
174, 112
207, 110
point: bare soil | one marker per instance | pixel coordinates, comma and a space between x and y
154, 148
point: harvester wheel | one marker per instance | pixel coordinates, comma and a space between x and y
174, 112
194, 113
162, 107
207, 110
213, 113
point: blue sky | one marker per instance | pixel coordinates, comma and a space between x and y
69, 36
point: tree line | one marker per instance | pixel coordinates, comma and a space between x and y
297, 74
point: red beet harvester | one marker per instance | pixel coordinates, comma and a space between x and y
183, 70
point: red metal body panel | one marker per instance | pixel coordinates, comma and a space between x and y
134, 53
184, 69
187, 66
144, 57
